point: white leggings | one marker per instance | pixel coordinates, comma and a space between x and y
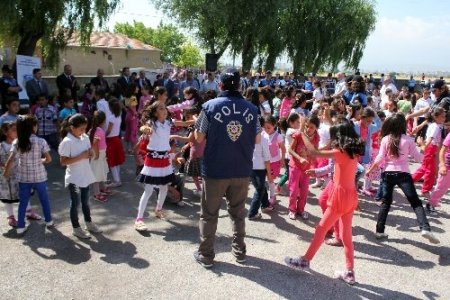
10, 209
148, 191
115, 173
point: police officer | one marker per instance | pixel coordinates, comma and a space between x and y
230, 126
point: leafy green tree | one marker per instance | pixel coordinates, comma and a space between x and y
190, 56
52, 22
165, 37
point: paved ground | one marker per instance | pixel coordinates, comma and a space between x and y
121, 263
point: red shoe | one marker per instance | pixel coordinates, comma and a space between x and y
100, 198
12, 221
31, 215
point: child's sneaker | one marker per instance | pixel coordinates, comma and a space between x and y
91, 227
160, 214
430, 236
380, 235
50, 224
80, 233
255, 217
297, 263
31, 215
347, 276
268, 209
180, 203
100, 198
304, 215
106, 192
292, 215
197, 193
12, 221
139, 225
430, 209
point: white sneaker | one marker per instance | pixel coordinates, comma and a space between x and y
430, 236
292, 215
80, 233
380, 235
91, 227
180, 203
21, 231
50, 224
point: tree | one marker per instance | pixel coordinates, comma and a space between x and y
190, 56
165, 37
53, 22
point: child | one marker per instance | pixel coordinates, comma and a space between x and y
88, 106
140, 151
395, 148
131, 123
368, 125
115, 155
427, 170
75, 152
68, 109
9, 187
261, 169
99, 165
47, 122
276, 143
13, 105
191, 98
293, 125
160, 95
277, 103
443, 182
31, 152
299, 163
317, 95
299, 106
145, 98
324, 141
265, 104
286, 104
391, 108
157, 171
193, 164
347, 147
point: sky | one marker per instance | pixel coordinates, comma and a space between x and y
409, 36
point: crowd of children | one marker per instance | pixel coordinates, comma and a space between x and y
333, 138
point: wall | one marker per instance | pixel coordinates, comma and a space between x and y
110, 60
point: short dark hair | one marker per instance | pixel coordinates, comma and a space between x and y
36, 70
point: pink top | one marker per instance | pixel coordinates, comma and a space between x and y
398, 164
197, 149
181, 106
100, 136
285, 108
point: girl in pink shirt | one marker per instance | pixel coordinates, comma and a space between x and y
99, 164
286, 104
395, 149
145, 98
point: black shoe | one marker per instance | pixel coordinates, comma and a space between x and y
430, 209
241, 260
204, 262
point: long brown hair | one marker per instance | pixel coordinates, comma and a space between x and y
394, 127
98, 119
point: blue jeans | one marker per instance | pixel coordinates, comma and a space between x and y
404, 180
260, 197
77, 195
24, 196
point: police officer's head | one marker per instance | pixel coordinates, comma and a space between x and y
230, 80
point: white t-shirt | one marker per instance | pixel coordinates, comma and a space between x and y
79, 173
384, 97
288, 140
117, 121
340, 87
102, 105
422, 103
388, 113
324, 134
434, 131
317, 94
160, 138
261, 154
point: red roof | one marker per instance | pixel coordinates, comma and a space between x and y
111, 40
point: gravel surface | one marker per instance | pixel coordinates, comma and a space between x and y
121, 263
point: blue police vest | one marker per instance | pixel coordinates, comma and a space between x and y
230, 137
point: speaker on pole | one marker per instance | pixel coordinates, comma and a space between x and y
211, 62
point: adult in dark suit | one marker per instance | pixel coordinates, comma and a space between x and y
169, 85
36, 86
142, 81
100, 81
67, 83
124, 81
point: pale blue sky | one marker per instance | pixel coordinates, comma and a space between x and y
410, 35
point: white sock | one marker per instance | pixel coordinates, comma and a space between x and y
272, 192
9, 209
161, 196
29, 206
115, 173
148, 191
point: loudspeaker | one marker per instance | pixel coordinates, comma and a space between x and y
211, 62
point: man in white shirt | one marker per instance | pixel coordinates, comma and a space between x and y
210, 84
340, 86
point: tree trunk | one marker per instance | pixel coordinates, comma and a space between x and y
248, 54
27, 45
270, 62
